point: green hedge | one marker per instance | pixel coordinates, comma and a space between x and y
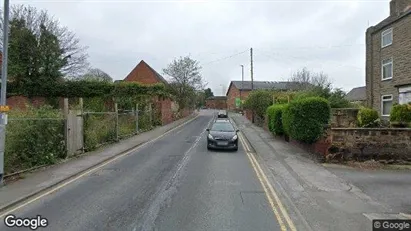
303, 119
87, 89
401, 113
274, 116
34, 137
368, 117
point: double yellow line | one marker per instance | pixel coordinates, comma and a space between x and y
278, 208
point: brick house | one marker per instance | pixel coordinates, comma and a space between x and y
388, 59
144, 74
216, 102
235, 87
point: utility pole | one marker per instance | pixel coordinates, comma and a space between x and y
242, 86
4, 108
252, 80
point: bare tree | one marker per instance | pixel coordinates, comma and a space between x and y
73, 53
95, 74
185, 79
307, 80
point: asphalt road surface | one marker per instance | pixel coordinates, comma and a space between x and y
174, 183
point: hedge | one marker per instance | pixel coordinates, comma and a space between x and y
401, 113
86, 89
303, 119
274, 116
34, 137
367, 117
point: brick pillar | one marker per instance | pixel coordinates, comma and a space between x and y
166, 114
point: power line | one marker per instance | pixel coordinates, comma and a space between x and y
224, 58
307, 59
316, 47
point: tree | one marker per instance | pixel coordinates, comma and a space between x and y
338, 100
185, 80
208, 93
311, 83
258, 101
45, 43
95, 74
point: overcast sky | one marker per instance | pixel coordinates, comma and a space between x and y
326, 36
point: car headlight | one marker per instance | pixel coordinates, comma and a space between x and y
210, 136
234, 137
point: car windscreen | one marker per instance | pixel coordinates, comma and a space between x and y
222, 112
222, 127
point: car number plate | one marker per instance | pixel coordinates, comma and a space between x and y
222, 143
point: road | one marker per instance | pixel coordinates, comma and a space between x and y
174, 183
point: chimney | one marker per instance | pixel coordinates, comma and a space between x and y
397, 7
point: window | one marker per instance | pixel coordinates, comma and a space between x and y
386, 105
222, 126
387, 69
404, 94
386, 38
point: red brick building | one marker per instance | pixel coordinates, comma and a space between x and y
216, 102
144, 74
244, 87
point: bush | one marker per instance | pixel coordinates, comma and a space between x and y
98, 129
274, 116
368, 117
34, 137
259, 101
303, 119
401, 113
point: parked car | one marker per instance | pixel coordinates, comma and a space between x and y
222, 114
222, 135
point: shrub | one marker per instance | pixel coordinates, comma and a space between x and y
98, 129
34, 137
401, 113
274, 115
259, 101
368, 117
303, 119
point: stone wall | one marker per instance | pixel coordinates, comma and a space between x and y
344, 117
370, 143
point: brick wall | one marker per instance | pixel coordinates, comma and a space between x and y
216, 103
371, 143
235, 93
166, 112
344, 117
22, 102
399, 51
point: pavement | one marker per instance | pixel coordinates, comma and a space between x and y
320, 198
391, 187
172, 183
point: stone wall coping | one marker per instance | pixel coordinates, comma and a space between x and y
372, 129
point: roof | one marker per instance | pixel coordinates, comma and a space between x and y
258, 85
357, 94
157, 75
217, 98
390, 20
160, 77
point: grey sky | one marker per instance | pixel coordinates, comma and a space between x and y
324, 36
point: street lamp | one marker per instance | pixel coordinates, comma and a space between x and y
3, 117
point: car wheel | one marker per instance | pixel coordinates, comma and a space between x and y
235, 149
